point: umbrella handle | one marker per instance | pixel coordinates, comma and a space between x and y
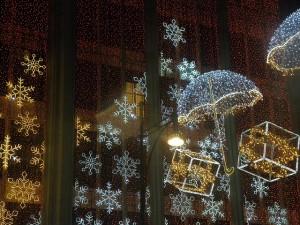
228, 171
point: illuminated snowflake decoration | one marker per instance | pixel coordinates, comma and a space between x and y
147, 201
109, 135
166, 113
27, 124
6, 217
182, 205
198, 223
33, 66
126, 167
284, 47
222, 92
8, 152
187, 70
146, 141
277, 215
90, 163
174, 92
108, 198
141, 86
81, 130
80, 197
23, 190
125, 110
209, 147
36, 220
224, 184
259, 187
165, 65
88, 219
174, 33
249, 208
19, 92
127, 222
212, 209
38, 156
166, 221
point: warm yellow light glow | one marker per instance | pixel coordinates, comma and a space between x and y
175, 141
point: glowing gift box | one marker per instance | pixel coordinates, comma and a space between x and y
192, 172
269, 151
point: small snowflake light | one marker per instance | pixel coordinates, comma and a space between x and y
147, 201
125, 110
38, 156
27, 124
36, 220
174, 33
141, 85
126, 167
81, 130
249, 208
284, 47
6, 217
80, 197
165, 65
109, 135
108, 198
209, 147
90, 163
166, 167
174, 92
212, 209
166, 113
19, 92
277, 215
182, 205
33, 66
187, 70
8, 152
126, 221
224, 184
259, 187
88, 219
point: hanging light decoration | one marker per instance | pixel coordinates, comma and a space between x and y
269, 152
192, 172
213, 95
284, 47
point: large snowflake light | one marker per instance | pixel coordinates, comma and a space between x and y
108, 198
6, 217
27, 124
8, 152
23, 190
125, 109
36, 220
33, 66
126, 167
187, 70
249, 211
109, 135
277, 215
284, 47
88, 219
80, 197
174, 33
141, 85
212, 208
90, 163
81, 129
259, 187
182, 205
19, 92
165, 65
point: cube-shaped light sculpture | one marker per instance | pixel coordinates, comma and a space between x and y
192, 172
269, 152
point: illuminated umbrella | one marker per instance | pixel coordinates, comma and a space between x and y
284, 47
213, 95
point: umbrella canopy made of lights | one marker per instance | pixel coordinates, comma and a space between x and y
219, 92
284, 47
